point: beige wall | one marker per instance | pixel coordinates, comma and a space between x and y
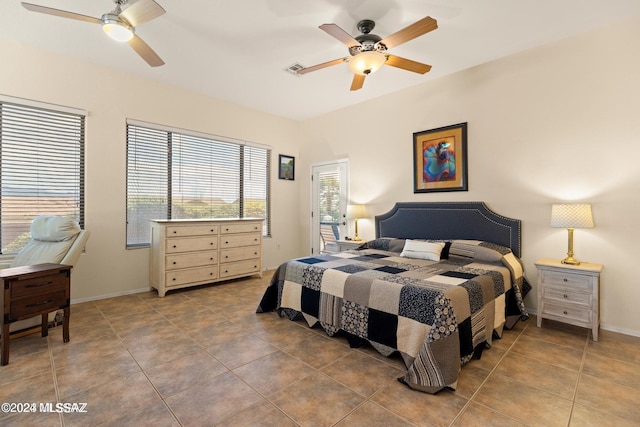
552, 124
110, 97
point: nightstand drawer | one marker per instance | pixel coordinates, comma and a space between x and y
36, 304
565, 294
577, 281
38, 285
568, 312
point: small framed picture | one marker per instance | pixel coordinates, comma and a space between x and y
287, 167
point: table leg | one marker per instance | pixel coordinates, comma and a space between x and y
65, 325
5, 344
45, 325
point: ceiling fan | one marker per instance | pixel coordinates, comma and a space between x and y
369, 51
119, 24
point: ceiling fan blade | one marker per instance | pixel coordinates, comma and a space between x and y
141, 11
60, 13
321, 66
145, 51
414, 30
407, 64
341, 35
357, 82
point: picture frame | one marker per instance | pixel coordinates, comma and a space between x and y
286, 167
440, 159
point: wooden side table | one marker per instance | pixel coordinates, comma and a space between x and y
30, 291
569, 293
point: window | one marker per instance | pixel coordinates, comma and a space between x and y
41, 167
174, 174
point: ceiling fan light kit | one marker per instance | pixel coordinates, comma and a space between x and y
366, 63
369, 51
115, 28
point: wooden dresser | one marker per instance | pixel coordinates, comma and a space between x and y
198, 251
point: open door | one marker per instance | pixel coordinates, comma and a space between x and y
329, 196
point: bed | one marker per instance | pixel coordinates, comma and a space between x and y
438, 283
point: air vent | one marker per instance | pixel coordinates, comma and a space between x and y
294, 68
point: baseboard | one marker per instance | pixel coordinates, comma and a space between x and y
116, 294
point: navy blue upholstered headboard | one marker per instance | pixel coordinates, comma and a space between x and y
449, 220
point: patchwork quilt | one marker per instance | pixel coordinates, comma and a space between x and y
436, 314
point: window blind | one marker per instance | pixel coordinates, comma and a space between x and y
181, 175
41, 168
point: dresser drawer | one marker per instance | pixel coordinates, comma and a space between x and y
187, 244
568, 312
239, 254
241, 228
191, 259
38, 285
35, 304
565, 294
239, 268
577, 281
191, 275
191, 230
237, 240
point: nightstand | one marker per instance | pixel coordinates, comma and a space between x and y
569, 293
30, 291
345, 245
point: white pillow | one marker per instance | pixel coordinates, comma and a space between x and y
422, 250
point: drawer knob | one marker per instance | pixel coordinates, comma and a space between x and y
566, 296
226, 243
226, 256
210, 274
211, 243
174, 279
212, 230
174, 231
174, 246
211, 259
565, 312
174, 263
226, 271
565, 279
226, 229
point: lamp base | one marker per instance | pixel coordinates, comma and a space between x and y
570, 260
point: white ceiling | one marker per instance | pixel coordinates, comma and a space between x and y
237, 50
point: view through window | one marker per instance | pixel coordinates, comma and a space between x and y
177, 175
41, 167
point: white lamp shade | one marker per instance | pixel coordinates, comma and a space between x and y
367, 62
356, 211
571, 216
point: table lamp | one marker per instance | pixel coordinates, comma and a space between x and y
356, 211
571, 216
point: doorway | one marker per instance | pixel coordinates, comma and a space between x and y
329, 198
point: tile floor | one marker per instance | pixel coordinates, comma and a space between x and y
202, 357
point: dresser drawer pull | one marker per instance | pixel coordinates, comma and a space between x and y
174, 263
175, 232
565, 279
174, 246
174, 279
211, 243
226, 243
213, 230
37, 285
566, 296
226, 256
565, 312
35, 304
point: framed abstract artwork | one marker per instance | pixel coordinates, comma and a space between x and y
440, 159
286, 167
